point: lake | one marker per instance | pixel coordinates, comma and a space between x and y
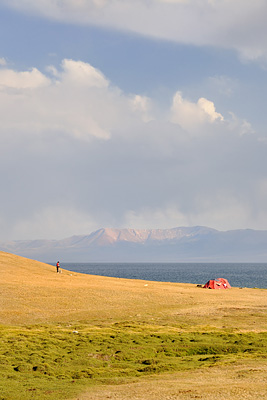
238, 274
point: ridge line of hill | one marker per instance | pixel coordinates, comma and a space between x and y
180, 244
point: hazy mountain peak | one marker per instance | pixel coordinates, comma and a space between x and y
179, 244
107, 236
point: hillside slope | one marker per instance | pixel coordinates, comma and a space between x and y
32, 292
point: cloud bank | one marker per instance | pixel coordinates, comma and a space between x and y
238, 25
78, 153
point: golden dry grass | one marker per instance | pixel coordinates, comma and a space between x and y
32, 292
242, 381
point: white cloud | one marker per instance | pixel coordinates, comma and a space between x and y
71, 104
142, 104
22, 80
81, 73
76, 153
191, 116
209, 109
238, 24
79, 101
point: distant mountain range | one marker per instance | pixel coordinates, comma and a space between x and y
184, 244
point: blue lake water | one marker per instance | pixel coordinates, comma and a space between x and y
238, 274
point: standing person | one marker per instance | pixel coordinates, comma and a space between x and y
58, 266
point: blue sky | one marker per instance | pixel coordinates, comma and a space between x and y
146, 114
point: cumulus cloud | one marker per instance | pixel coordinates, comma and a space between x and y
238, 24
22, 80
192, 116
76, 151
68, 104
82, 73
142, 105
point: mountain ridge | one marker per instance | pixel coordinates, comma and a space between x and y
179, 244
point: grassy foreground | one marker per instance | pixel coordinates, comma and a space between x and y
66, 334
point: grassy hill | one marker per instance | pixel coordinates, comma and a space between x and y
63, 334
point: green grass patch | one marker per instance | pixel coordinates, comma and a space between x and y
59, 361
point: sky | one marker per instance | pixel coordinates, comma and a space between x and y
132, 114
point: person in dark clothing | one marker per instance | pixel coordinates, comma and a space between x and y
58, 266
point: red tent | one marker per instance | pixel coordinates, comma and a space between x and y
219, 283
